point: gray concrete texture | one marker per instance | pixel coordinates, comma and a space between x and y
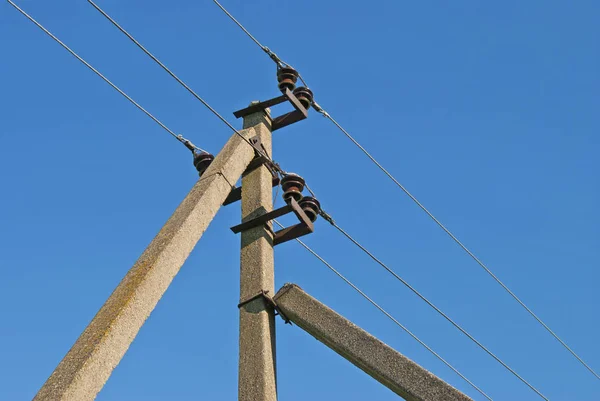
89, 363
257, 370
386, 365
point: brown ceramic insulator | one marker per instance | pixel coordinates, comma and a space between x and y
311, 207
292, 180
294, 193
287, 78
202, 160
304, 95
292, 185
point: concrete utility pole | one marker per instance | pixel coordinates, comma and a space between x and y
89, 363
257, 380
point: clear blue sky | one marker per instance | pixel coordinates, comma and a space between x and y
486, 111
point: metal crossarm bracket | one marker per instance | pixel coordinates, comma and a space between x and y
305, 226
300, 113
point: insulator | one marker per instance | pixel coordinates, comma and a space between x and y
311, 207
304, 95
287, 78
292, 185
202, 160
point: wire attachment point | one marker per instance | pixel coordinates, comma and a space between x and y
327, 217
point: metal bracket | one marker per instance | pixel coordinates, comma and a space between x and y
300, 113
304, 227
270, 301
259, 157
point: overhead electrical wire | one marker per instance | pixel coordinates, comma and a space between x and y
331, 221
271, 164
280, 63
323, 112
375, 304
179, 137
432, 305
274, 166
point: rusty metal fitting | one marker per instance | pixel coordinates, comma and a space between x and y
202, 160
287, 78
304, 95
311, 207
292, 185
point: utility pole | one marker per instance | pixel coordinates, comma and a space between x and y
248, 154
257, 370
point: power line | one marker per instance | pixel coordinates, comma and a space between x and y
264, 48
280, 63
322, 111
331, 221
471, 254
273, 165
438, 310
179, 137
375, 304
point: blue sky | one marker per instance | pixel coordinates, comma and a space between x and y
486, 111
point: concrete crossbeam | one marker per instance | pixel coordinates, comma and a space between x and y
386, 365
89, 363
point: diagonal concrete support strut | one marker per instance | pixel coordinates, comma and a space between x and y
386, 365
88, 364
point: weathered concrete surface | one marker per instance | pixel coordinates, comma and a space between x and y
89, 363
257, 381
383, 363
